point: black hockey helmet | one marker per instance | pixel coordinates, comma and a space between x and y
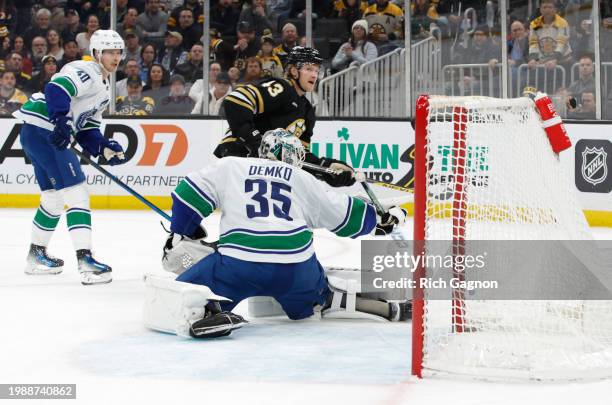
300, 56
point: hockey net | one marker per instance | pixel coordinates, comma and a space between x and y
484, 170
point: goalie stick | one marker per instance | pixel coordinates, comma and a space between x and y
360, 177
120, 183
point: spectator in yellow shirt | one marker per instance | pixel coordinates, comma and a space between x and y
11, 98
549, 38
270, 63
385, 24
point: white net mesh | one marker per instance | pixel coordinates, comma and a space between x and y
491, 175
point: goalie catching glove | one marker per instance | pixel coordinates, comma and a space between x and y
394, 216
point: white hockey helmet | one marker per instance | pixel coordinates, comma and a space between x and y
102, 40
279, 144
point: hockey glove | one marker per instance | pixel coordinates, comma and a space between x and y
344, 177
182, 252
252, 140
60, 138
112, 151
394, 216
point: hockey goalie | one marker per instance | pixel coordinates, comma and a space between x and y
269, 207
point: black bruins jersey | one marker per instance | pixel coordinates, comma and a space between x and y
141, 106
266, 105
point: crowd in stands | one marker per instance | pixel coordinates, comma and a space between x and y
250, 39
163, 65
551, 49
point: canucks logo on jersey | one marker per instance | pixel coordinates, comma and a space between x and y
89, 94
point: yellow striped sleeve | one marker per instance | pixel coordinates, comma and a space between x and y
255, 90
247, 94
240, 103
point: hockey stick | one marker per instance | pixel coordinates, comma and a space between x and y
360, 177
366, 186
120, 183
374, 199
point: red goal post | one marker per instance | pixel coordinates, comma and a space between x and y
524, 195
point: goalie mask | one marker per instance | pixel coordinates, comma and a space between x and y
279, 144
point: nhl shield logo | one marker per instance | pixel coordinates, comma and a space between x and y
594, 167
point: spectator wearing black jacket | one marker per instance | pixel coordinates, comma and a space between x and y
49, 68
130, 24
73, 25
192, 69
194, 6
224, 18
188, 29
246, 46
14, 63
221, 51
39, 29
71, 53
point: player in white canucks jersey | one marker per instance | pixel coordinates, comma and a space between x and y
269, 208
70, 107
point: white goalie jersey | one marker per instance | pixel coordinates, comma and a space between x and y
269, 208
89, 93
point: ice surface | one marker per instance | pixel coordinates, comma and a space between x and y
54, 330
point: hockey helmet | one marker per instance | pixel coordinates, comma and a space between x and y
279, 144
300, 56
102, 40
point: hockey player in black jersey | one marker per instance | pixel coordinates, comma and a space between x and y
253, 109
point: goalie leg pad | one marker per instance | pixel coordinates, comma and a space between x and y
347, 300
343, 301
171, 306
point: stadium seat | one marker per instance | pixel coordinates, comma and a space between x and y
334, 45
322, 45
331, 28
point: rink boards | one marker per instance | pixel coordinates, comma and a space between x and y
160, 152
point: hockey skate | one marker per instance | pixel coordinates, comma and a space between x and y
91, 270
216, 323
39, 262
